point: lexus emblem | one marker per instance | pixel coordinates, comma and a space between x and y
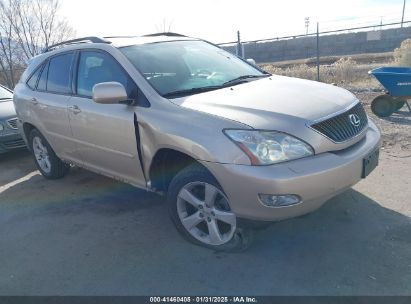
354, 120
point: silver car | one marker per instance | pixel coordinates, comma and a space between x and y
10, 138
230, 145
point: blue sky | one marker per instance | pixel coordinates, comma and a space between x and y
218, 20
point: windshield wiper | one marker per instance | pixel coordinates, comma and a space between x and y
191, 91
240, 79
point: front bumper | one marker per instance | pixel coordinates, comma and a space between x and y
315, 179
11, 141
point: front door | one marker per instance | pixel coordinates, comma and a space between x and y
105, 134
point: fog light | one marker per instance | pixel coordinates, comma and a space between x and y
271, 200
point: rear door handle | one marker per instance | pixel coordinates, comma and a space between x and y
75, 109
34, 101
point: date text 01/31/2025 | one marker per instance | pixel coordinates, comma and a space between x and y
199, 299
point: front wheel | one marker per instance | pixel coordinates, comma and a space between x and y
47, 162
201, 212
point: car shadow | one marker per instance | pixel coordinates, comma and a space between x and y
352, 245
402, 117
14, 155
88, 235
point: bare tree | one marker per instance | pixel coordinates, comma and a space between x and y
26, 27
8, 47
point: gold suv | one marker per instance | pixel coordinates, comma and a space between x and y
227, 143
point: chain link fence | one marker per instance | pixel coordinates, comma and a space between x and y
342, 57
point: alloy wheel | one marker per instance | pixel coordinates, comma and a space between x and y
41, 154
204, 212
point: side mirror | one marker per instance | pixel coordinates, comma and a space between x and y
252, 61
109, 93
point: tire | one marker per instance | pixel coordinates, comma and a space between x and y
195, 180
46, 160
383, 106
399, 103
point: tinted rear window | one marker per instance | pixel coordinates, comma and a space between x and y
41, 86
32, 82
58, 79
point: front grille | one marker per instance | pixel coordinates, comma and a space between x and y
344, 126
14, 143
12, 123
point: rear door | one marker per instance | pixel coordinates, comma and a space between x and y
105, 134
49, 101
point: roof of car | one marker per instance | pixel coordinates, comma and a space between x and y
127, 41
6, 88
121, 41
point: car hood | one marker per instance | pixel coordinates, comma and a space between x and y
271, 102
7, 109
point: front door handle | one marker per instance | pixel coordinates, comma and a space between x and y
75, 109
34, 101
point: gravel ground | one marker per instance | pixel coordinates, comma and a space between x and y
395, 130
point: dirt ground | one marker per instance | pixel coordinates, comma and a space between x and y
89, 235
395, 130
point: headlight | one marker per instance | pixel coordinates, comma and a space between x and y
1, 127
269, 147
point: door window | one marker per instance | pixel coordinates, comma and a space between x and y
58, 79
98, 67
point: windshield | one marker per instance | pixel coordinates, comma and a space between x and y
188, 66
5, 94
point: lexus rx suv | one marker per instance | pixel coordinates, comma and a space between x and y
228, 144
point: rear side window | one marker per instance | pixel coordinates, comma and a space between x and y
32, 82
41, 86
58, 79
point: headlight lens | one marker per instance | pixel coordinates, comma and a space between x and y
1, 127
269, 147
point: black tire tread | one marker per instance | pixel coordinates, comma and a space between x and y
388, 101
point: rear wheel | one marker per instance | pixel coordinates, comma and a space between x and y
46, 160
201, 212
383, 106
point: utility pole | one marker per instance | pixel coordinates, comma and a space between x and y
307, 24
318, 51
403, 12
239, 46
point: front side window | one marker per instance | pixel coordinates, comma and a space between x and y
58, 79
184, 66
97, 67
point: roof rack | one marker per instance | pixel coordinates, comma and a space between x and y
164, 34
110, 37
89, 39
